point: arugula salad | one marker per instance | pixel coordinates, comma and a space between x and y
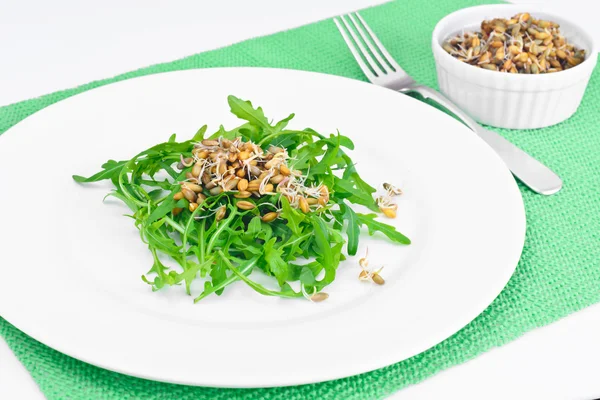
258, 198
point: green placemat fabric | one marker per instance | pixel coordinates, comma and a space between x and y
559, 272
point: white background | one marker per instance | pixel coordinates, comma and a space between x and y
47, 46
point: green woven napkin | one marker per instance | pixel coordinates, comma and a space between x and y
559, 272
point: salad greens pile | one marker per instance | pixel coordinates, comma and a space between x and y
220, 236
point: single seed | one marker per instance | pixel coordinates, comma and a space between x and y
275, 149
268, 217
210, 185
268, 188
561, 54
277, 179
270, 164
216, 190
377, 278
206, 179
177, 211
243, 155
242, 195
232, 157
203, 154
192, 186
231, 184
318, 297
263, 175
254, 181
225, 143
196, 170
542, 64
241, 173
303, 204
200, 198
485, 58
188, 175
208, 142
515, 30
324, 193
178, 196
500, 54
392, 189
543, 24
242, 185
574, 61
284, 170
523, 57
253, 163
312, 201
220, 214
222, 167
388, 212
245, 205
189, 194
322, 201
192, 207
448, 48
496, 44
363, 262
514, 50
254, 170
542, 35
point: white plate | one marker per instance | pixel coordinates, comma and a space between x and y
72, 265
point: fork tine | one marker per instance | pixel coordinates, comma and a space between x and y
379, 45
364, 52
368, 73
369, 43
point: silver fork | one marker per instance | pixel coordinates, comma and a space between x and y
387, 73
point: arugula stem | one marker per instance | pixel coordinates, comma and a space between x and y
259, 288
174, 224
222, 225
201, 241
184, 240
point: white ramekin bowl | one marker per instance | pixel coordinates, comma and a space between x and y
504, 100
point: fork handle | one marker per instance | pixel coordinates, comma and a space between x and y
527, 169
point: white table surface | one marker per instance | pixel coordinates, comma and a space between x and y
48, 46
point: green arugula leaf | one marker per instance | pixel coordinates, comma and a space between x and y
244, 110
352, 228
293, 217
376, 226
276, 264
110, 169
